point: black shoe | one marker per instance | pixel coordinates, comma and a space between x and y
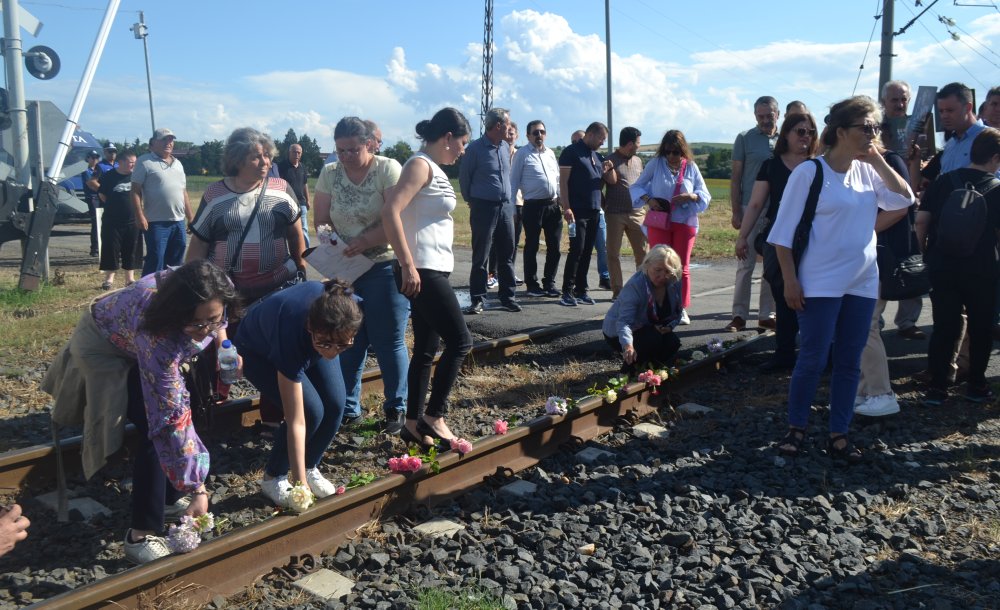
552, 292
584, 299
534, 292
394, 423
776, 365
349, 421
475, 309
510, 305
409, 438
605, 283
94, 253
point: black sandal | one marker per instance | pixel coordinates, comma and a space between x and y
791, 445
411, 439
848, 453
442, 443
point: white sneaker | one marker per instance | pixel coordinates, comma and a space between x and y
878, 406
173, 512
685, 320
319, 485
146, 550
859, 400
276, 490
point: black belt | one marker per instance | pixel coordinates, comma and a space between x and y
552, 200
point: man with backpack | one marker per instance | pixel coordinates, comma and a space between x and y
957, 228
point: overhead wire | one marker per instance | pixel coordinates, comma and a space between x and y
945, 49
871, 37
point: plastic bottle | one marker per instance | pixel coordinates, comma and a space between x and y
228, 363
572, 229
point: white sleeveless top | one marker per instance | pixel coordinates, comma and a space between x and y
427, 223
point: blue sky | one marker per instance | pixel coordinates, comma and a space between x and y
694, 66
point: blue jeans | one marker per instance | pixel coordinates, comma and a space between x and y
165, 243
383, 327
323, 398
602, 248
305, 222
843, 323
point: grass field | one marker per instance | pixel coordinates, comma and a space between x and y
716, 237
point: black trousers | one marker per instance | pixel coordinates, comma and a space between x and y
950, 292
581, 248
435, 315
652, 347
150, 490
92, 204
541, 215
786, 324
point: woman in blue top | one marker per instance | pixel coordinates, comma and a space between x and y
290, 342
640, 324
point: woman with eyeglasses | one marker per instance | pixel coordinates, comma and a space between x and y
418, 222
834, 287
123, 361
797, 142
350, 194
671, 182
290, 343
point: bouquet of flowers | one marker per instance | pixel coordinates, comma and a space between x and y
556, 405
300, 497
186, 537
406, 463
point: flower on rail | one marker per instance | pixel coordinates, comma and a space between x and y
461, 445
186, 537
651, 378
715, 346
406, 463
697, 355
500, 427
300, 497
556, 405
611, 395
340, 489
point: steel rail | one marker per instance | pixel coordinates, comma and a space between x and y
37, 465
230, 563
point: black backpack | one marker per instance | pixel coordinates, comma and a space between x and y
962, 219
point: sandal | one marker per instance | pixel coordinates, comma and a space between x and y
411, 439
443, 444
791, 445
847, 453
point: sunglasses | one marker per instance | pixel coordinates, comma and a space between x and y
538, 132
803, 132
672, 153
869, 129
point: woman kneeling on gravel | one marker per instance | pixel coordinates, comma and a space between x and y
640, 324
290, 342
124, 360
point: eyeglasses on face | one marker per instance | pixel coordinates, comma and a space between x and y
672, 153
327, 343
203, 326
803, 132
869, 128
538, 132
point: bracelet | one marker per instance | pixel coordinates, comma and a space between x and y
200, 492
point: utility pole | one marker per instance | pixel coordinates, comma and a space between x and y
885, 65
139, 30
487, 65
607, 53
14, 59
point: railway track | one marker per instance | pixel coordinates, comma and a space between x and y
36, 465
230, 563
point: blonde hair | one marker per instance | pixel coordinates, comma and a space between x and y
662, 255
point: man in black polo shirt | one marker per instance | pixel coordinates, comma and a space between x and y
296, 175
582, 172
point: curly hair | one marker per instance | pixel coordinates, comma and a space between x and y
182, 291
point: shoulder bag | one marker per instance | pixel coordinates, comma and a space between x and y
902, 278
660, 219
772, 269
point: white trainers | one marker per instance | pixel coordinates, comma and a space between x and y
173, 512
276, 490
685, 320
319, 485
878, 406
146, 550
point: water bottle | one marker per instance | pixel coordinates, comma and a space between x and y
228, 363
572, 229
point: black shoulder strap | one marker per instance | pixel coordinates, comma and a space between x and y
246, 229
817, 185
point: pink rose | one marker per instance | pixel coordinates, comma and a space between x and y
341, 489
413, 463
499, 427
461, 445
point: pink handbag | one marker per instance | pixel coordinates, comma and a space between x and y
660, 219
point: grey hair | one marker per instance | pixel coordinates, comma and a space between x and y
351, 127
902, 84
663, 255
495, 116
240, 144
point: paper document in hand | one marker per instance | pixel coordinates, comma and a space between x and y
329, 259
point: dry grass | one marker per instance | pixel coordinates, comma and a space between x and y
891, 509
985, 531
178, 597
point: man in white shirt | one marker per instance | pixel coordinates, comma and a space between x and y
535, 172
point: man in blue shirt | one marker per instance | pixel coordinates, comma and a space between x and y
582, 173
484, 179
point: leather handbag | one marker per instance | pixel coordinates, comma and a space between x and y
901, 278
660, 219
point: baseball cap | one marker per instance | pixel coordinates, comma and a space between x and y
93, 153
163, 133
